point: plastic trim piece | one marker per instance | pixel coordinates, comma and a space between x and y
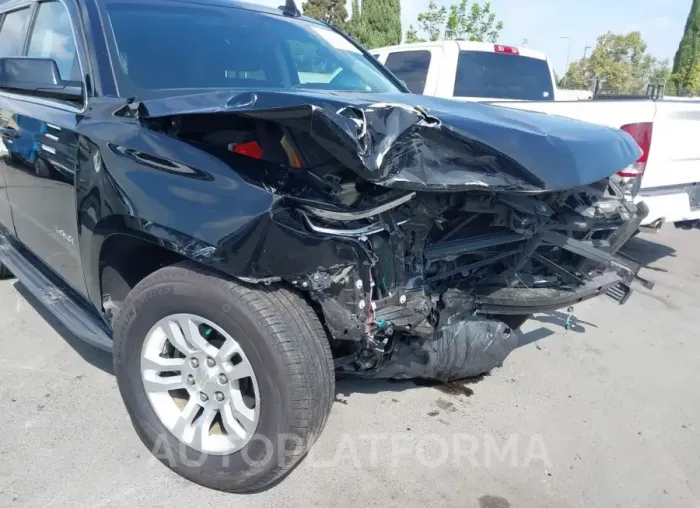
362, 214
363, 231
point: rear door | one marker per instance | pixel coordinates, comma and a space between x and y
417, 67
40, 175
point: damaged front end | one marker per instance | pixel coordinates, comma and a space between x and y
447, 277
465, 219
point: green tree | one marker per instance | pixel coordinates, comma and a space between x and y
355, 26
578, 75
473, 22
331, 11
686, 64
621, 61
432, 21
412, 36
381, 23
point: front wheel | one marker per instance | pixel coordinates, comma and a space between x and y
227, 385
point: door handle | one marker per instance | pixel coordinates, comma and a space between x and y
9, 133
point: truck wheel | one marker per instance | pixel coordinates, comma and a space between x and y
227, 385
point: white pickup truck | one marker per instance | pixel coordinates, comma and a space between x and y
668, 131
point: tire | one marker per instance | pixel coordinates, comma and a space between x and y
285, 345
4, 272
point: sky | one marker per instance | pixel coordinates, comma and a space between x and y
541, 22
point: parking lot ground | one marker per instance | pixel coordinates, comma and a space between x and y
604, 414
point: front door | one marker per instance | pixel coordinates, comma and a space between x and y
40, 172
13, 26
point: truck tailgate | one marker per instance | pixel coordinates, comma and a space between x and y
674, 157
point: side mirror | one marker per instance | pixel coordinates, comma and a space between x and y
39, 77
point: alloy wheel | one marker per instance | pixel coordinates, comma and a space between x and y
200, 384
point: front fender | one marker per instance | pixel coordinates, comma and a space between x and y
150, 186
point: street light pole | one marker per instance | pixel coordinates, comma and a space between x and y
568, 54
585, 63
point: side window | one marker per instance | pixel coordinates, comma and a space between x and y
52, 37
12, 32
411, 67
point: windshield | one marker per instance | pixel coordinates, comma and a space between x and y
183, 46
503, 76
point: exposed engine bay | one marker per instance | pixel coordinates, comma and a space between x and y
455, 243
462, 270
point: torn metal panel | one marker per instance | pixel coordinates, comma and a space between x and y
416, 142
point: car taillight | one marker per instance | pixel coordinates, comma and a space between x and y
505, 49
249, 149
641, 132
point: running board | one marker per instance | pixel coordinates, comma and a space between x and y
80, 321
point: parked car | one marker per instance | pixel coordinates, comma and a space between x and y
667, 175
256, 203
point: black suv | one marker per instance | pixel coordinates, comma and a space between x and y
240, 203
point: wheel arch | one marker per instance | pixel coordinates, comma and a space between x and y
125, 250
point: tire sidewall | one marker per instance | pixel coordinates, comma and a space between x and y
211, 301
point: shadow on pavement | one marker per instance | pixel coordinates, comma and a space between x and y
96, 357
559, 319
556, 318
646, 251
347, 386
534, 335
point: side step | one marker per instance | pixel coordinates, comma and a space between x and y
83, 323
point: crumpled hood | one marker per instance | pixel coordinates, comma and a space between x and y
417, 142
